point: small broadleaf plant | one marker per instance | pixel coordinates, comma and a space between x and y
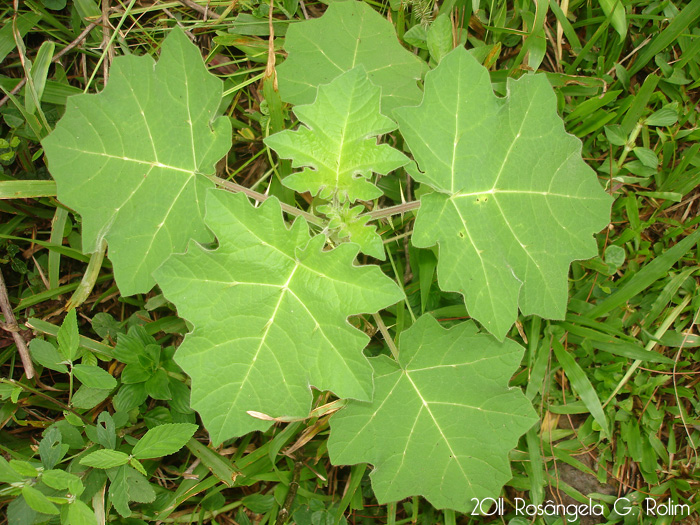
507, 200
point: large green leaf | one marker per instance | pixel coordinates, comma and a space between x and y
347, 35
514, 201
442, 420
338, 143
269, 309
133, 159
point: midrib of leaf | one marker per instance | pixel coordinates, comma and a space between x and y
514, 141
517, 192
165, 217
357, 43
189, 121
454, 456
283, 289
152, 165
341, 149
477, 250
137, 161
455, 142
146, 124
295, 261
386, 398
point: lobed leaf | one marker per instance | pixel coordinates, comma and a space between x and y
442, 420
133, 160
269, 309
337, 145
347, 35
514, 203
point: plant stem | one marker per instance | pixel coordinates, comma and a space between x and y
630, 145
393, 210
45, 396
11, 326
283, 514
87, 283
387, 337
237, 188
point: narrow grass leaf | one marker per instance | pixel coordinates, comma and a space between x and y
40, 70
582, 386
650, 273
24, 22
27, 189
219, 466
680, 23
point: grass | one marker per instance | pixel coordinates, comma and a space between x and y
616, 384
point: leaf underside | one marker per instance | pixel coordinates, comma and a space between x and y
132, 159
337, 144
514, 202
347, 35
269, 310
442, 420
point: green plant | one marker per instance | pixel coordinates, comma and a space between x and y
507, 204
507, 199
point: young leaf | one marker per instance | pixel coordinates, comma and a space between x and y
442, 420
7, 473
80, 514
38, 501
105, 430
338, 145
134, 159
119, 490
68, 337
94, 377
270, 312
128, 485
62, 480
87, 397
129, 397
163, 440
46, 355
350, 224
105, 458
439, 37
514, 202
51, 450
347, 35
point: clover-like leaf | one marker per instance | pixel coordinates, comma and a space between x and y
133, 160
347, 35
515, 203
269, 309
442, 420
338, 144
